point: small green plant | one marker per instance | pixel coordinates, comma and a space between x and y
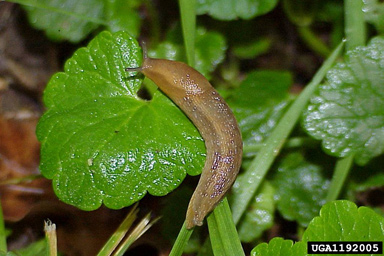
103, 144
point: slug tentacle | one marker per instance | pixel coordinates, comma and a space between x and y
138, 69
216, 123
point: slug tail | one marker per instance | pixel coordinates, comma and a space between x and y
194, 216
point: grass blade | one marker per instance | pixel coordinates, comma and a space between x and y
181, 241
120, 233
222, 231
136, 233
188, 22
343, 166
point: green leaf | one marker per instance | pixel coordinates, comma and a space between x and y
259, 102
338, 221
374, 181
36, 248
343, 221
374, 13
369, 177
252, 49
123, 15
65, 19
260, 214
280, 247
347, 112
234, 9
301, 188
74, 20
209, 50
101, 143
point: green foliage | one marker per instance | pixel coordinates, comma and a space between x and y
344, 221
223, 233
36, 248
234, 9
338, 221
122, 15
301, 188
176, 203
260, 214
74, 20
252, 49
346, 112
188, 21
102, 143
300, 12
97, 135
367, 178
374, 13
260, 165
279, 246
259, 102
209, 49
374, 181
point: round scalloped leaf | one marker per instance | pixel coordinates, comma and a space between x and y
100, 142
279, 246
301, 188
342, 221
338, 221
68, 19
347, 112
234, 9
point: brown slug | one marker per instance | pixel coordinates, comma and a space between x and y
196, 97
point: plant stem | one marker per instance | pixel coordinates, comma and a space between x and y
19, 180
188, 22
354, 29
181, 241
264, 159
222, 231
142, 227
155, 22
313, 41
50, 236
294, 142
119, 234
342, 168
3, 239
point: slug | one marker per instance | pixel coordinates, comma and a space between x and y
196, 97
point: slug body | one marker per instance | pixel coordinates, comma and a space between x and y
216, 123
